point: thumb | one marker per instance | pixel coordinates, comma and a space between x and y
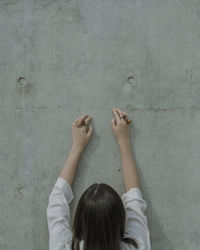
90, 131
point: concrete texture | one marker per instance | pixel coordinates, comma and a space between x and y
76, 57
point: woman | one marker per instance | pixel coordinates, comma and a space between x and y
103, 220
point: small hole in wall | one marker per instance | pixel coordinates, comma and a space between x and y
21, 82
21, 191
131, 80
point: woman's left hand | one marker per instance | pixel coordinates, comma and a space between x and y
80, 136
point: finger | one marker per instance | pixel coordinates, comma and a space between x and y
82, 117
121, 113
116, 114
80, 121
87, 120
90, 131
124, 116
124, 113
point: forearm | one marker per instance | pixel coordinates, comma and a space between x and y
69, 169
130, 174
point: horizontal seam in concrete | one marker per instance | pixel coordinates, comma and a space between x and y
132, 109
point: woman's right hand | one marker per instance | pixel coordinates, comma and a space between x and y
119, 125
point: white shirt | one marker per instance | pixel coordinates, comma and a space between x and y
58, 218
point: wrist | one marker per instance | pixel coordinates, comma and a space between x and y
76, 149
124, 142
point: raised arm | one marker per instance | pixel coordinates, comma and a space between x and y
136, 221
81, 138
58, 210
130, 175
120, 128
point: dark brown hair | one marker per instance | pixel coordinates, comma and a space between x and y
100, 220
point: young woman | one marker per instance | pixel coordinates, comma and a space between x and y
103, 220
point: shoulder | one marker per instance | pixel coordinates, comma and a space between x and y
62, 187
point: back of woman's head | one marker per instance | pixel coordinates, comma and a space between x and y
99, 219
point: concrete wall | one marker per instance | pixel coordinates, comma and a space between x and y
76, 57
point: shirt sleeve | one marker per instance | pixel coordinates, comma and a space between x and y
136, 222
58, 215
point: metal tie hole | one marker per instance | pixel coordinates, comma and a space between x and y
21, 190
131, 80
21, 82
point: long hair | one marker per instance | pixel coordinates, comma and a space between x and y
99, 220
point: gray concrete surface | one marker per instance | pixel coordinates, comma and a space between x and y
76, 57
